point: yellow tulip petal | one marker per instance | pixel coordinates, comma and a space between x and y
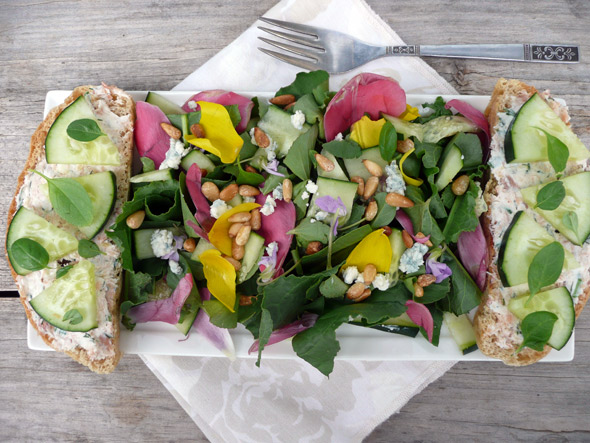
410, 113
407, 179
221, 137
220, 276
366, 132
218, 235
375, 248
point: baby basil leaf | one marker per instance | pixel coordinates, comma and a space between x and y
343, 148
570, 221
557, 152
148, 164
546, 267
63, 271
387, 142
88, 249
29, 255
84, 130
306, 232
550, 196
70, 200
333, 287
298, 158
536, 329
74, 316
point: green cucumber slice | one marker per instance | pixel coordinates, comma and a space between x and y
397, 247
334, 188
26, 223
402, 320
102, 189
557, 301
577, 190
445, 126
202, 161
253, 250
451, 164
75, 290
355, 166
461, 330
202, 246
407, 129
522, 240
337, 173
165, 105
189, 311
153, 176
60, 148
524, 142
277, 124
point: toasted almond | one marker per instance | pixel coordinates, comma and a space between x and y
248, 191
172, 131
369, 273
407, 238
237, 251
460, 185
404, 146
426, 280
234, 229
386, 230
371, 210
361, 188
287, 190
135, 220
255, 221
197, 130
418, 290
189, 244
371, 186
246, 300
283, 100
243, 235
398, 201
324, 162
261, 138
373, 168
236, 264
427, 243
210, 191
240, 217
313, 247
355, 291
229, 192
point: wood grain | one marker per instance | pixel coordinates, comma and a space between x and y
155, 44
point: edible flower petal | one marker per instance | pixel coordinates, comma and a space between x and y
193, 184
271, 168
410, 113
332, 206
221, 137
220, 276
473, 252
407, 179
366, 131
150, 139
440, 270
404, 220
420, 315
218, 235
225, 98
375, 248
306, 321
219, 337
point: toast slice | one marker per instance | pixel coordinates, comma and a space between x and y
497, 329
98, 348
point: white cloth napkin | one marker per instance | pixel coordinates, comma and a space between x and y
288, 400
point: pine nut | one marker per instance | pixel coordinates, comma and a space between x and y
428, 243
355, 291
386, 230
189, 244
361, 188
287, 190
418, 290
371, 211
237, 251
234, 229
255, 221
240, 217
210, 191
313, 247
373, 168
371, 186
407, 238
172, 131
289, 106
251, 169
460, 185
229, 192
369, 273
135, 220
324, 162
426, 280
282, 100
246, 300
398, 201
236, 264
261, 138
197, 130
404, 146
248, 191
366, 293
243, 235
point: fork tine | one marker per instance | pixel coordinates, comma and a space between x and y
291, 37
290, 48
305, 64
295, 27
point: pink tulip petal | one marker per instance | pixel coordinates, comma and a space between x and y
472, 249
306, 321
193, 184
420, 315
218, 337
151, 140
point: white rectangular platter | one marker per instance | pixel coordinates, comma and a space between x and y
356, 343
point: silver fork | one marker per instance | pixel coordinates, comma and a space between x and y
335, 52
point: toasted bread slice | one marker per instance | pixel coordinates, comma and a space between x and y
98, 348
497, 329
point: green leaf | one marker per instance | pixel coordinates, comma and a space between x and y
431, 154
537, 328
434, 292
297, 159
550, 196
84, 130
470, 147
424, 222
63, 271
385, 212
74, 316
195, 117
148, 164
29, 254
343, 148
546, 267
306, 232
308, 105
70, 200
333, 287
137, 290
464, 295
219, 315
163, 208
570, 221
314, 82
247, 178
462, 216
438, 108
387, 142
557, 152
234, 114
343, 242
187, 207
88, 249
266, 327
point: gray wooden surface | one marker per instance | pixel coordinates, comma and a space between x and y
153, 45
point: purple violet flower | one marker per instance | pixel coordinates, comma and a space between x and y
440, 270
331, 206
271, 167
178, 242
268, 262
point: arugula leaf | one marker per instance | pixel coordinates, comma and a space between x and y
346, 148
84, 130
314, 82
462, 216
550, 196
162, 208
148, 164
29, 254
306, 232
546, 267
570, 221
74, 316
431, 153
537, 328
447, 197
387, 142
423, 221
88, 249
385, 212
63, 271
438, 108
464, 295
297, 159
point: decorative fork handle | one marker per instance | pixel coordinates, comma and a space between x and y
516, 52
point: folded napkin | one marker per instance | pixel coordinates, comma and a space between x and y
288, 400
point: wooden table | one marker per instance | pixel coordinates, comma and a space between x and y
155, 44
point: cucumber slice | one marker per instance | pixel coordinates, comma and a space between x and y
397, 247
277, 124
102, 189
525, 143
402, 320
355, 166
450, 166
577, 190
75, 290
165, 105
254, 249
462, 331
202, 246
334, 188
557, 301
153, 176
189, 312
60, 148
407, 129
142, 239
26, 223
337, 173
521, 242
445, 126
202, 161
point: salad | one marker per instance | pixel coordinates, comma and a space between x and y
300, 213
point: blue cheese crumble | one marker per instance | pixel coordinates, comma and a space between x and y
394, 181
277, 193
413, 258
175, 267
162, 242
174, 155
311, 187
382, 282
269, 206
218, 208
298, 120
350, 275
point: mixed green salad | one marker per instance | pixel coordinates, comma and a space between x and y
300, 213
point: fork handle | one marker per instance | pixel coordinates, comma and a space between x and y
547, 53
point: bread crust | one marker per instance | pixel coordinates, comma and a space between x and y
486, 320
36, 153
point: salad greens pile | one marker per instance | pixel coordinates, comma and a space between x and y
296, 215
